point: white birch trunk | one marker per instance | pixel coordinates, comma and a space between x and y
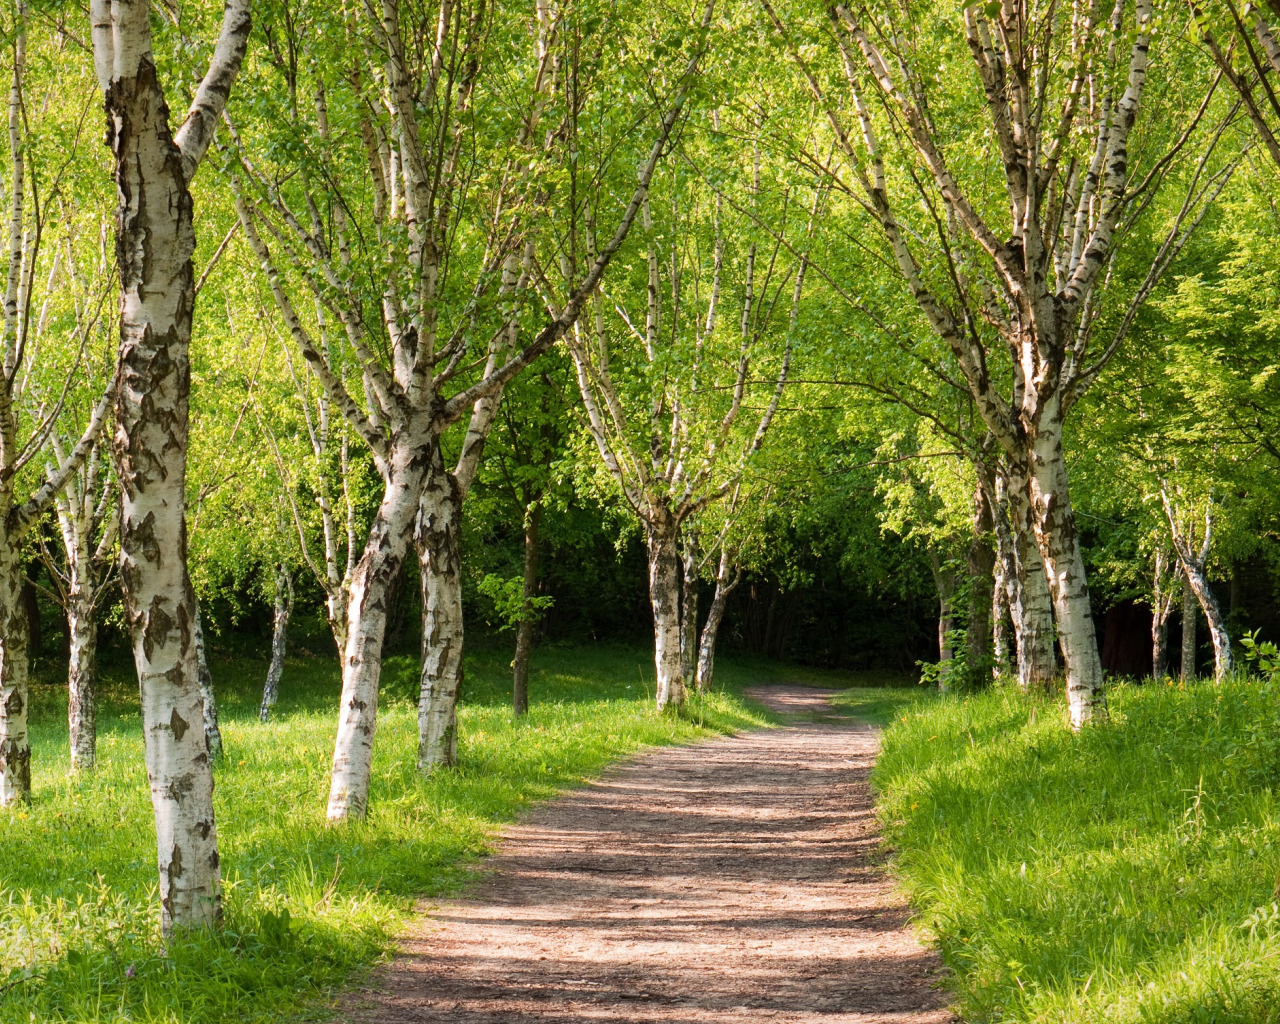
664, 597
82, 625
1002, 667
155, 239
283, 608
383, 556
1059, 545
15, 747
689, 611
208, 700
981, 568
1188, 668
726, 579
1161, 606
1196, 588
1030, 604
439, 521
529, 590
944, 579
1208, 602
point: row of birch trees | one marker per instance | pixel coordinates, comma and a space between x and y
717, 215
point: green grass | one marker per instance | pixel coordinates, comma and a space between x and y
879, 705
1128, 874
307, 907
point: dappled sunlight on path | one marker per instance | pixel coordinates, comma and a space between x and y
737, 880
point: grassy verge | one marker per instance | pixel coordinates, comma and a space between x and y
306, 906
882, 704
1128, 874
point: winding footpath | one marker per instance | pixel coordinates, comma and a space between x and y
737, 880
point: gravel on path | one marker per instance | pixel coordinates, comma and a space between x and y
737, 880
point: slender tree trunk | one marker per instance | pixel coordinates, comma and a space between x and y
439, 522
1161, 606
1217, 625
944, 578
664, 597
689, 610
1159, 646
1030, 603
1188, 670
82, 679
208, 701
981, 566
1059, 544
524, 628
279, 640
726, 579
379, 564
1002, 667
15, 747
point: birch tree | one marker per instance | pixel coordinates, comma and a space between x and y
31, 412
155, 239
1242, 39
1059, 91
446, 244
86, 513
670, 429
1194, 562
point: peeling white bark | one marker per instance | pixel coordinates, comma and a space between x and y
155, 241
384, 554
728, 576
15, 747
664, 595
689, 563
437, 536
1059, 546
1197, 590
1187, 670
281, 611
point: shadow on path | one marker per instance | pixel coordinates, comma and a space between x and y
737, 880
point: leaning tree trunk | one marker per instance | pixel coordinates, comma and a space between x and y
279, 640
1188, 668
379, 564
1055, 530
15, 747
208, 701
726, 579
688, 610
439, 559
981, 566
524, 628
664, 597
82, 626
1203, 594
154, 242
1216, 624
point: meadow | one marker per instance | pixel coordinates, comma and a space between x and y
1127, 874
308, 908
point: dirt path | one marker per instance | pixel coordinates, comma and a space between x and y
738, 880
